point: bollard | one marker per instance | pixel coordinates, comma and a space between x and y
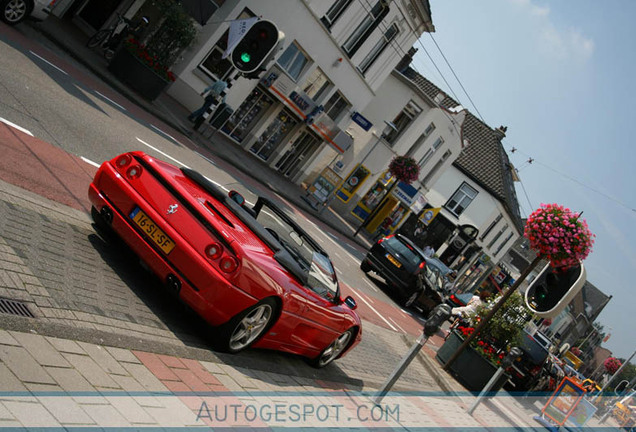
507, 362
431, 326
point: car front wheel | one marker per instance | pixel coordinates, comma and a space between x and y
15, 11
364, 266
334, 349
248, 326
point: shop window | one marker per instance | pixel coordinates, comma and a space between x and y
370, 22
336, 106
402, 122
461, 199
316, 85
293, 61
334, 12
213, 64
379, 48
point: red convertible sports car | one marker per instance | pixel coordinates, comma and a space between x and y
252, 273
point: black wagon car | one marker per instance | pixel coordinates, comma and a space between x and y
402, 265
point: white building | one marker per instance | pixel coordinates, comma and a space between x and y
335, 55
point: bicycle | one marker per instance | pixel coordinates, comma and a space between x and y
103, 37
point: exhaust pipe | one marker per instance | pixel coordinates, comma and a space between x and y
107, 214
173, 283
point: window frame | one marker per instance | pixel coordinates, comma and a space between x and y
300, 51
324, 88
343, 110
378, 48
437, 166
431, 151
361, 33
453, 208
336, 9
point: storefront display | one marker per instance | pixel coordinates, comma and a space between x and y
277, 130
353, 183
303, 147
247, 115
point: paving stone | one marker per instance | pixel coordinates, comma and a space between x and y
214, 368
41, 350
9, 382
197, 368
103, 358
23, 365
5, 414
65, 345
31, 414
39, 389
66, 411
123, 355
156, 366
7, 339
106, 416
70, 380
144, 377
92, 371
131, 410
128, 383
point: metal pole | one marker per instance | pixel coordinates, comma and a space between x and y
613, 376
399, 369
486, 389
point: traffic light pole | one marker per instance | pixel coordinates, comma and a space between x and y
492, 312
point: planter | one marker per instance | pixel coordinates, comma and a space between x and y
471, 369
132, 71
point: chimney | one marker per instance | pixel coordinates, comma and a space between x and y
406, 60
500, 132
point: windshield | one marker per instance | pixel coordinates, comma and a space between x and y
443, 269
321, 274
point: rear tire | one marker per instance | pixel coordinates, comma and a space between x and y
335, 348
364, 266
15, 11
98, 38
247, 327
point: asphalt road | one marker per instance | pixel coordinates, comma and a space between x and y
57, 122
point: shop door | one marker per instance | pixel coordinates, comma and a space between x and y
301, 150
247, 115
96, 12
275, 133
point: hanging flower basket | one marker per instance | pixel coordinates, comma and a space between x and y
612, 364
560, 235
404, 169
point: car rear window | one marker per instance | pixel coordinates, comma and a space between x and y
403, 250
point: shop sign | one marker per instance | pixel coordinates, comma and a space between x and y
428, 216
418, 203
361, 121
405, 193
324, 185
563, 401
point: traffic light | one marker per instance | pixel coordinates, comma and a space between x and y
256, 46
553, 289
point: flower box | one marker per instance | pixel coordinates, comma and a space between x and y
470, 368
133, 72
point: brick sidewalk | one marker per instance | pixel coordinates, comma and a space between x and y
52, 382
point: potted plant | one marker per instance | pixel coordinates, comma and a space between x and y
480, 360
146, 66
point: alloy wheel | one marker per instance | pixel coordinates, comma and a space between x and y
250, 327
334, 350
15, 10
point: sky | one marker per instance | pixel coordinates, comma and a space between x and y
561, 76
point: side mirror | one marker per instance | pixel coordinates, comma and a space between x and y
349, 301
236, 197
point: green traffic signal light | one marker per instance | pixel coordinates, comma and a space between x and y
246, 57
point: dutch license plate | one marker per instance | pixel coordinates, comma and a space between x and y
393, 260
152, 231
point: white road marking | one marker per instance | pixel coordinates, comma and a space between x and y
48, 62
110, 100
207, 159
90, 162
162, 132
15, 126
162, 153
371, 285
373, 309
397, 325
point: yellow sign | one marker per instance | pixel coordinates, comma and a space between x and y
429, 215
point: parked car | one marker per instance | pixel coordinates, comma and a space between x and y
252, 273
15, 11
529, 367
403, 266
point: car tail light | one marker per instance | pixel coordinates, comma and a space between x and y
228, 264
385, 238
134, 172
123, 160
422, 265
214, 251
